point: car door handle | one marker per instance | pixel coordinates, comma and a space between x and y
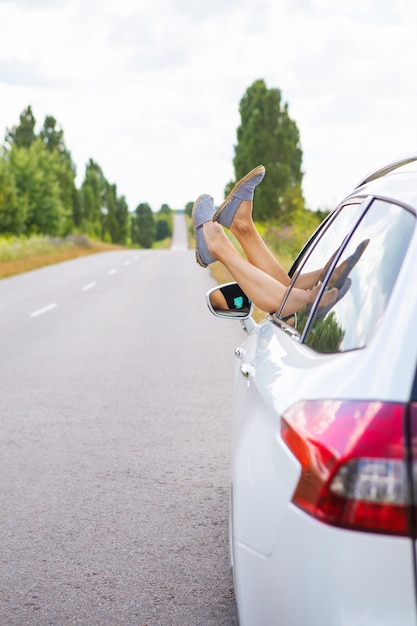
247, 370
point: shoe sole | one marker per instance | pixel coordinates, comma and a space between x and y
197, 256
255, 172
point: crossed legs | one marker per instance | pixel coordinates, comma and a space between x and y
260, 275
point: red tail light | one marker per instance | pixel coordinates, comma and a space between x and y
353, 463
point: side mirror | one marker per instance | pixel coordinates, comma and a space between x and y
229, 301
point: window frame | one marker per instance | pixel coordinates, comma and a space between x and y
366, 202
306, 252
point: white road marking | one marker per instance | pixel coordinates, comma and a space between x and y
44, 309
89, 286
86, 287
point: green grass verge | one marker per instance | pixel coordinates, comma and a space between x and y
22, 254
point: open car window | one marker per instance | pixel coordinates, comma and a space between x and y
365, 275
315, 259
359, 254
341, 222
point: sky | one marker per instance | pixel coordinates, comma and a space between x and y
151, 90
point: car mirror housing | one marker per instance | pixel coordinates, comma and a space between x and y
229, 300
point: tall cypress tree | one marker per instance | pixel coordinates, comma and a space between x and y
52, 136
268, 136
23, 135
93, 200
143, 226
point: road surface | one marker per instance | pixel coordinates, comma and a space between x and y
115, 443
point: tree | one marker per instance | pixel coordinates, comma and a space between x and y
35, 174
52, 137
103, 213
22, 136
164, 210
267, 135
12, 213
143, 226
93, 200
38, 193
115, 221
122, 221
164, 223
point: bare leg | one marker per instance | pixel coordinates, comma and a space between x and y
254, 246
235, 213
258, 253
265, 291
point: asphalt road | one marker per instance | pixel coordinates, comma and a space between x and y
115, 410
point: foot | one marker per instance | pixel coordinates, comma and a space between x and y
242, 193
341, 273
325, 308
203, 211
218, 243
329, 297
300, 298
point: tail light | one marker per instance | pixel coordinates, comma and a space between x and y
353, 463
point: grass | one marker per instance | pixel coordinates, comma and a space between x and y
164, 244
23, 254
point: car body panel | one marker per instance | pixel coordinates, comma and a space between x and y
269, 530
323, 582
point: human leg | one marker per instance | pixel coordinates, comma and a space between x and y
260, 279
265, 291
235, 213
254, 247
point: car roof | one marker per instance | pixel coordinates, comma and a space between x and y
408, 162
395, 181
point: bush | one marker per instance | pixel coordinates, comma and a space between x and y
163, 228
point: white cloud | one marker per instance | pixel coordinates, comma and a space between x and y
151, 91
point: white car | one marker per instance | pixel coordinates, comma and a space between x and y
324, 471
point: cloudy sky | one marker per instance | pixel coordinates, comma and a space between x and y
151, 90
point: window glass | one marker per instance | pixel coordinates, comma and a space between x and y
314, 261
339, 226
364, 275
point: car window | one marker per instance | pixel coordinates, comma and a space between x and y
364, 275
339, 225
315, 259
